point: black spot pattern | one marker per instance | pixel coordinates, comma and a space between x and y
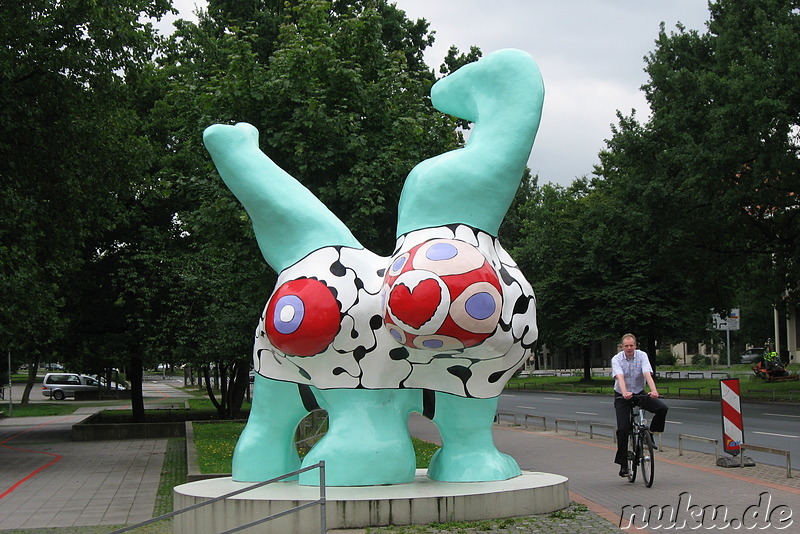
359, 353
461, 372
364, 355
399, 353
521, 306
337, 269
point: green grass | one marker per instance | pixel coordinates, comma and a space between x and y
173, 473
39, 409
752, 387
424, 451
214, 443
22, 378
575, 518
569, 513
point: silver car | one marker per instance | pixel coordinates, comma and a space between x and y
752, 355
58, 386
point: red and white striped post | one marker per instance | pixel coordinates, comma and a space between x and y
732, 426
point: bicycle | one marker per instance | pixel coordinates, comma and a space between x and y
640, 447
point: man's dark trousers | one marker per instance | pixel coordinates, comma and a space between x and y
623, 409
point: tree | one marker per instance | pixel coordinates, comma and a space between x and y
67, 148
719, 156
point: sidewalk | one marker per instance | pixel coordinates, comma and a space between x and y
681, 482
47, 481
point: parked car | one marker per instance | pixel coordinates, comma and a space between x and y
752, 355
58, 386
113, 385
53, 367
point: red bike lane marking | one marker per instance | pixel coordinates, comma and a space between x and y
153, 388
56, 457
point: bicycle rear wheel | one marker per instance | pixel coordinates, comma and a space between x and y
648, 463
633, 459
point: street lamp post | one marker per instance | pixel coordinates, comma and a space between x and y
10, 394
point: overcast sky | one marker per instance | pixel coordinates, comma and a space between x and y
590, 53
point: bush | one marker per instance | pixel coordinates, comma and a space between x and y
666, 358
701, 359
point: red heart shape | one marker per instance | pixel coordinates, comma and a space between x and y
415, 307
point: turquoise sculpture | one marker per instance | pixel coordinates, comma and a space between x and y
437, 328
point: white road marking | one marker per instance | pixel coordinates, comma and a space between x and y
681, 408
781, 415
776, 435
674, 422
526, 407
554, 398
588, 413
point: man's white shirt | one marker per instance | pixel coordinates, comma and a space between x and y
633, 370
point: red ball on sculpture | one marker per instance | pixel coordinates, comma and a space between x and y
441, 295
302, 317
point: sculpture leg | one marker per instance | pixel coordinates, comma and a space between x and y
468, 453
368, 441
266, 447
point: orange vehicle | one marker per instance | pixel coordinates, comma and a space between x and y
771, 369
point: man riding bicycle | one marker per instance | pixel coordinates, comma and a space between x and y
631, 370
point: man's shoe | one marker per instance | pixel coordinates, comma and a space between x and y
653, 441
623, 471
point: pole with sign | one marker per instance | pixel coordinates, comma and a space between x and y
731, 322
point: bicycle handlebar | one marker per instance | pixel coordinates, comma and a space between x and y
639, 396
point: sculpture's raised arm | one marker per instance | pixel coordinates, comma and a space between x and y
288, 220
502, 94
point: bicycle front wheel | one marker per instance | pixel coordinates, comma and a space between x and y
633, 459
647, 459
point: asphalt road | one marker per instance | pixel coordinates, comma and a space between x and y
775, 425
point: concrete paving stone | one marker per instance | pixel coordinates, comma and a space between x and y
95, 511
115, 518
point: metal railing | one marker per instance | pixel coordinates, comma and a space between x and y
532, 416
323, 528
567, 421
770, 450
602, 425
508, 414
682, 437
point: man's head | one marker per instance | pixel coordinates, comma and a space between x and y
629, 344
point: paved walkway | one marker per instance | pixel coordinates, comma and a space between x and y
683, 485
48, 481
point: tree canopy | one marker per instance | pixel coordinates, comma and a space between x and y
721, 146
692, 209
70, 150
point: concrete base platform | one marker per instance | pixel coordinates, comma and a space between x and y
420, 502
728, 461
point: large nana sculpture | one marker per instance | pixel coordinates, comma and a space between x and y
438, 328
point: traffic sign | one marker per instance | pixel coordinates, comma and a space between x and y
731, 322
732, 426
